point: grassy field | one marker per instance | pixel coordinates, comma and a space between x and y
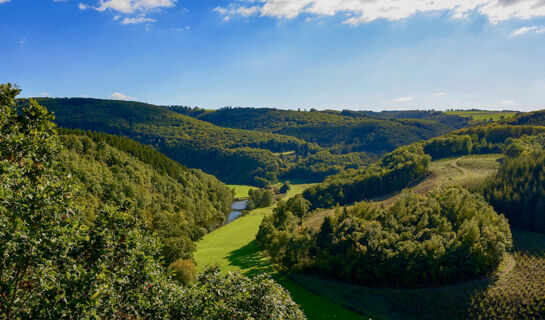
233, 248
516, 291
241, 192
482, 116
465, 171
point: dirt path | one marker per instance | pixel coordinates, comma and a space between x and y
509, 265
455, 165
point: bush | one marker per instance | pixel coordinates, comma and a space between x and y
260, 198
284, 188
184, 271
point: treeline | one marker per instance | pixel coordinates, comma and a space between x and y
316, 167
260, 198
518, 190
536, 118
341, 132
479, 140
234, 156
180, 210
394, 172
55, 264
439, 238
451, 120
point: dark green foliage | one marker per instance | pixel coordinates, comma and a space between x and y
284, 188
179, 209
518, 190
35, 213
341, 132
393, 172
448, 146
536, 118
441, 237
451, 120
234, 156
318, 166
260, 198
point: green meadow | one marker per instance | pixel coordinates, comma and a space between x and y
233, 249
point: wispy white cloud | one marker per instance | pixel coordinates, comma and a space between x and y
363, 11
523, 30
237, 10
3, 1
22, 42
45, 94
121, 96
132, 6
439, 94
136, 20
508, 102
404, 99
134, 10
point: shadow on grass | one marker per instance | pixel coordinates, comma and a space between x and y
251, 260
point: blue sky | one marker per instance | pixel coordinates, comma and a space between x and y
340, 54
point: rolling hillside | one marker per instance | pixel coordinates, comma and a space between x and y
234, 156
342, 132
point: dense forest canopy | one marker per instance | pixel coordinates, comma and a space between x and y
233, 155
180, 210
394, 172
441, 237
536, 118
518, 190
341, 132
57, 264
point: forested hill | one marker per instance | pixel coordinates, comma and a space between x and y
179, 204
342, 132
233, 155
536, 118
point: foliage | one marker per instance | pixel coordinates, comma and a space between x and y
448, 146
524, 144
536, 118
393, 172
317, 167
179, 210
518, 190
232, 296
514, 292
260, 198
56, 265
35, 213
439, 238
234, 156
184, 271
339, 131
284, 188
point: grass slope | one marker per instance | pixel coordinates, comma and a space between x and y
482, 116
233, 249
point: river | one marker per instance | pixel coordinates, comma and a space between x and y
236, 210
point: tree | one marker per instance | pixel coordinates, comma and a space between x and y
298, 206
36, 220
